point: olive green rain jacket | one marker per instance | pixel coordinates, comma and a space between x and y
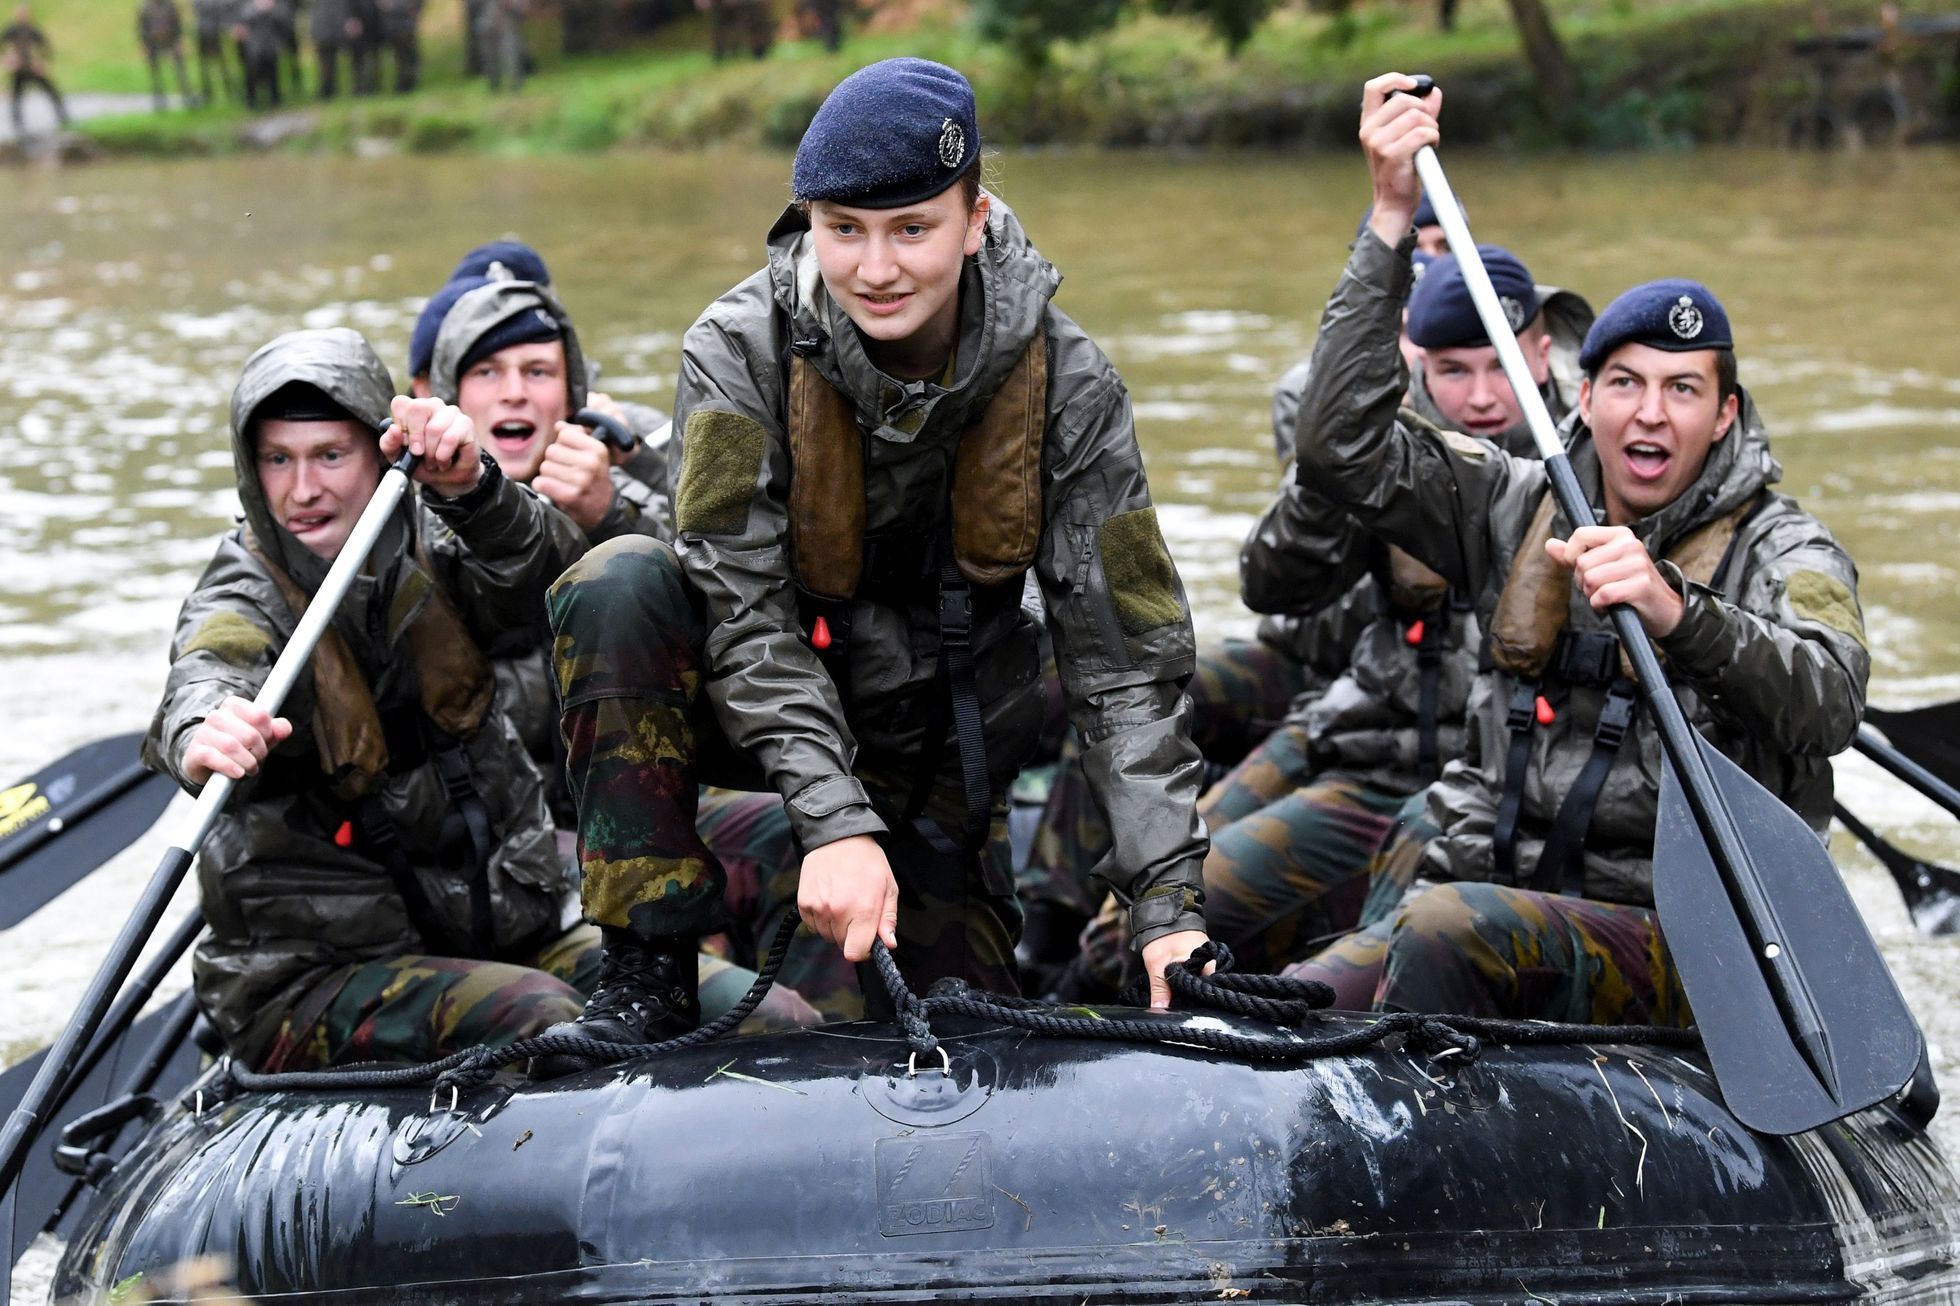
1769, 661
1115, 605
640, 504
1307, 558
285, 902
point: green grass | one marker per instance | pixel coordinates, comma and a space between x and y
1654, 71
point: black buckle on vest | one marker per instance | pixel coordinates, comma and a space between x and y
1616, 718
1590, 658
1521, 713
956, 614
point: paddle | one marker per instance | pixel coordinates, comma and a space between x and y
25, 1120
1801, 1018
71, 816
1926, 781
43, 1192
1930, 736
1931, 891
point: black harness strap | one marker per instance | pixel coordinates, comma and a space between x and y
1562, 865
1429, 671
466, 807
959, 697
1520, 715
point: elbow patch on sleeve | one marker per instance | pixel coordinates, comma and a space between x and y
234, 640
1820, 597
721, 461
1137, 567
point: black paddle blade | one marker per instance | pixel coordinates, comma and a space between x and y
43, 1192
1929, 736
1931, 891
1869, 1036
70, 817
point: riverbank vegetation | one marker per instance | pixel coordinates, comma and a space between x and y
1641, 73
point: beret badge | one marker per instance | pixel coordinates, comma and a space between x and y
952, 144
1684, 319
1513, 312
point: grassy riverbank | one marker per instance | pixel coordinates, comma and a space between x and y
1654, 73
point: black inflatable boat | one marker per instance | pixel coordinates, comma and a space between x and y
834, 1165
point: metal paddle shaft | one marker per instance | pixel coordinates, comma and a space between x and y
26, 1119
1845, 1058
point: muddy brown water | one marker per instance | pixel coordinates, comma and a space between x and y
130, 295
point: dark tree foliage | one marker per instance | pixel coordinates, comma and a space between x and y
1234, 20
1029, 27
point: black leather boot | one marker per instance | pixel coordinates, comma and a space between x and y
648, 991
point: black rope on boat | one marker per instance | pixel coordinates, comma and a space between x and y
1293, 1004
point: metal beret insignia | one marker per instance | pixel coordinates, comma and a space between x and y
1684, 319
952, 144
1513, 312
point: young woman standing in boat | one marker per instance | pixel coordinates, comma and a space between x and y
882, 432
1546, 828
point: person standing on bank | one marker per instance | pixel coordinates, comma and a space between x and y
882, 431
160, 27
1545, 830
24, 54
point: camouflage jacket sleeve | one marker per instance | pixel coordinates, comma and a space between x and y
1123, 639
772, 697
499, 548
1435, 494
229, 633
1786, 661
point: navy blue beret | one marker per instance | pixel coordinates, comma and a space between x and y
1675, 315
1442, 314
897, 132
428, 324
504, 260
298, 401
531, 327
1419, 265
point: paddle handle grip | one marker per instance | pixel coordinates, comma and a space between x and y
610, 429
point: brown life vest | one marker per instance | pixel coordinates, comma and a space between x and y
452, 676
995, 495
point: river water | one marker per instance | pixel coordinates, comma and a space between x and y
130, 294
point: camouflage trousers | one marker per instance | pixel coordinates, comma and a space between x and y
421, 1008
1239, 694
1492, 950
629, 640
750, 836
1321, 861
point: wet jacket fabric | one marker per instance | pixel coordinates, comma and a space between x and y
286, 904
1116, 609
640, 503
1769, 661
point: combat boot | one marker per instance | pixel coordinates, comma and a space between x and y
648, 991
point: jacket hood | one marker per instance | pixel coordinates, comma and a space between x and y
342, 365
1004, 294
1739, 467
489, 307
